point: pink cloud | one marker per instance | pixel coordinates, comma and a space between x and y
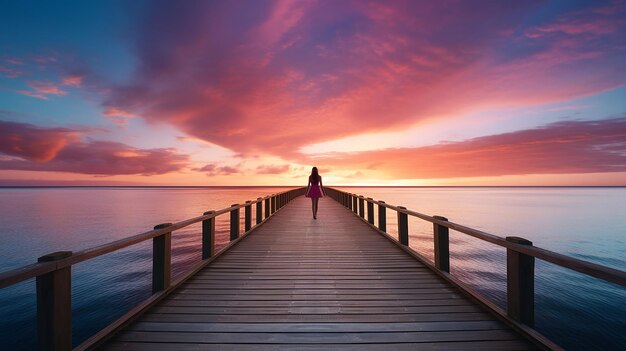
559, 148
288, 74
47, 88
272, 169
32, 94
10, 72
213, 170
33, 143
599, 21
117, 112
61, 150
118, 116
72, 80
14, 61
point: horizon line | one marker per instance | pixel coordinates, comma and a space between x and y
296, 186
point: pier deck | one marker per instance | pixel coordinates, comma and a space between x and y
304, 284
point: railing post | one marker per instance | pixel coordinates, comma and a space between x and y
355, 207
273, 203
234, 222
382, 216
247, 216
208, 236
520, 283
161, 259
370, 211
361, 207
442, 245
403, 227
267, 208
259, 210
54, 306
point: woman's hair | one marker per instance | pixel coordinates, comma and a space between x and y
315, 176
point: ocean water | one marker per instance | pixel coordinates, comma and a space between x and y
576, 311
37, 221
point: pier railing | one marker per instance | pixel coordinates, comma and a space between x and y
520, 252
54, 279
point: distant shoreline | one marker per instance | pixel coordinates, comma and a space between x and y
295, 186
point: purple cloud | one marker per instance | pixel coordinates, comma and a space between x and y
56, 149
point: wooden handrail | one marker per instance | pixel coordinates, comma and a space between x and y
589, 268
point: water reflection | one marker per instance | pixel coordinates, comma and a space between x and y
40, 221
579, 312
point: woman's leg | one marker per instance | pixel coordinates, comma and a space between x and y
317, 201
313, 206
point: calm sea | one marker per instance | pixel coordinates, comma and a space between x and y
578, 312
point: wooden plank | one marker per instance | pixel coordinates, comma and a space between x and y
344, 310
390, 273
319, 338
316, 318
312, 277
316, 327
313, 285
295, 283
505, 345
296, 291
318, 297
319, 303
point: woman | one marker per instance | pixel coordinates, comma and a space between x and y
315, 190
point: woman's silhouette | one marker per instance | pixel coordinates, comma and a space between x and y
315, 190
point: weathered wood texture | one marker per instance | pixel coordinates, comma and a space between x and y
302, 284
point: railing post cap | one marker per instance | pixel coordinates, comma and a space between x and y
381, 201
369, 198
55, 256
162, 225
248, 201
233, 205
208, 212
518, 240
259, 198
441, 218
402, 207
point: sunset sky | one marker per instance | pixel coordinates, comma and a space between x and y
258, 92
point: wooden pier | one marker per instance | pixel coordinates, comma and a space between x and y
290, 282
330, 283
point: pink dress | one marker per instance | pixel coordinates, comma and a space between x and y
314, 190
